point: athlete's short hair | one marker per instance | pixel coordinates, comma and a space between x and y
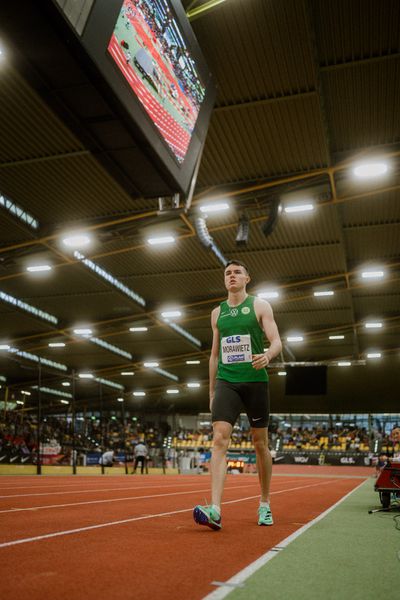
239, 263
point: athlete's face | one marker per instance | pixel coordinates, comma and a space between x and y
236, 278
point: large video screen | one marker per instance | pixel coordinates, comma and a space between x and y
148, 48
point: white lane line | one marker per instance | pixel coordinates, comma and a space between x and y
34, 508
245, 573
134, 487
111, 523
118, 489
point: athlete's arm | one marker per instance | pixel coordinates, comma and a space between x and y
213, 364
266, 319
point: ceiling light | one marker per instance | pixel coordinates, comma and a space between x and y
56, 345
373, 325
374, 355
4, 347
66, 384
86, 375
326, 293
120, 399
64, 401
173, 391
192, 362
213, 208
127, 373
268, 294
76, 240
137, 329
296, 208
282, 373
38, 268
193, 384
20, 402
83, 331
151, 364
295, 338
139, 393
171, 313
25, 393
336, 337
344, 363
166, 239
372, 274
370, 169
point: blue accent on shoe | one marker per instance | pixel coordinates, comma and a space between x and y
206, 515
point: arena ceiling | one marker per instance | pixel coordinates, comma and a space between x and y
306, 90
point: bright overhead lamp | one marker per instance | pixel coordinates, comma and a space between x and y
120, 399
56, 345
64, 401
20, 402
192, 362
325, 293
336, 337
298, 208
4, 347
295, 338
66, 384
214, 208
25, 393
193, 384
373, 325
169, 314
282, 373
344, 363
83, 331
268, 294
127, 373
374, 355
139, 393
38, 268
76, 240
156, 241
151, 364
368, 170
86, 375
372, 274
134, 329
172, 391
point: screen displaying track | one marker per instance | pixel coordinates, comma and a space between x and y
149, 49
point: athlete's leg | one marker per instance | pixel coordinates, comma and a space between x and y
264, 460
221, 438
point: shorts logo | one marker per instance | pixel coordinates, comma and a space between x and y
234, 312
235, 358
245, 310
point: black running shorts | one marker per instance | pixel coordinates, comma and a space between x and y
230, 399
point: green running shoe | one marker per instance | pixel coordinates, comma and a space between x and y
265, 516
207, 515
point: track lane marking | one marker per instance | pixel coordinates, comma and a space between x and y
142, 518
240, 577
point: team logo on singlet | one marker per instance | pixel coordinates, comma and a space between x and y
245, 310
234, 312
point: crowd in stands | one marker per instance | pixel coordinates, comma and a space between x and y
18, 436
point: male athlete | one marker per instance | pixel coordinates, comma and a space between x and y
238, 379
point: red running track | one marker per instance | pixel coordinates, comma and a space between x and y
133, 537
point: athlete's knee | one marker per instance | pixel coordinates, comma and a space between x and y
260, 443
221, 439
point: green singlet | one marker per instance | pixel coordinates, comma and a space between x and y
240, 336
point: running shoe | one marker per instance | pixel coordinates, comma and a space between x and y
207, 515
265, 516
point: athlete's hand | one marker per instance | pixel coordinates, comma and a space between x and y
260, 361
